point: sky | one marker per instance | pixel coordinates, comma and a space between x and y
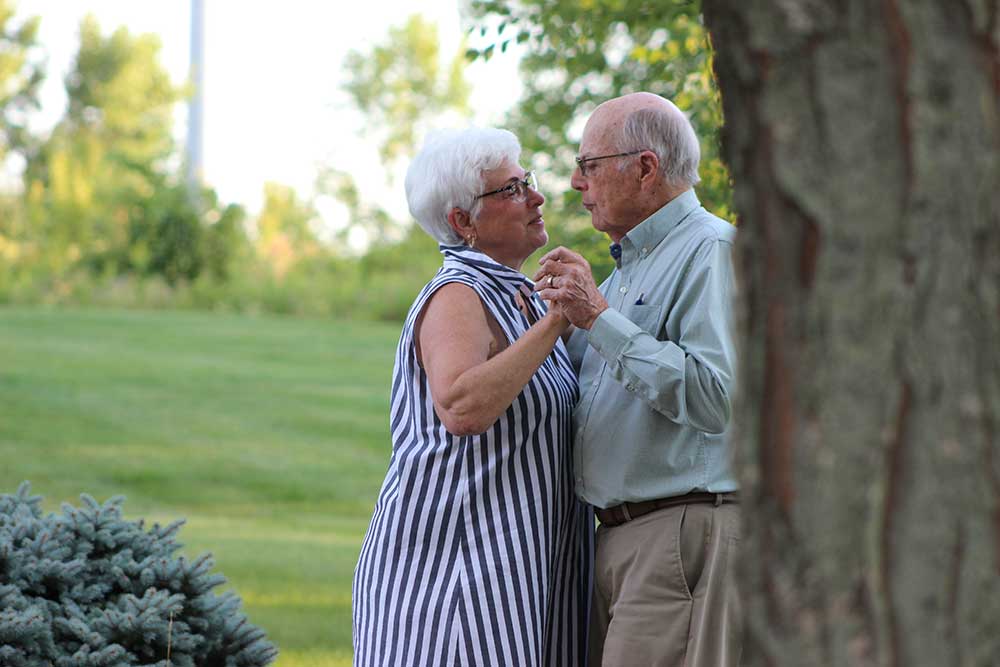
274, 108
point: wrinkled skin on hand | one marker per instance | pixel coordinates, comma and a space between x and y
565, 280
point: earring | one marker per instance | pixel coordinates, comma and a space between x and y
472, 240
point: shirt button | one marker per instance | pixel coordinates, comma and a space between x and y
645, 250
623, 289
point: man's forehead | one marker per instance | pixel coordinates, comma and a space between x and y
592, 144
596, 132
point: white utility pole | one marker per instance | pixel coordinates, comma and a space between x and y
195, 106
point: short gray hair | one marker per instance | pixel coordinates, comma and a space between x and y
448, 172
669, 134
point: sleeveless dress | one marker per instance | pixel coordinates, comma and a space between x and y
478, 552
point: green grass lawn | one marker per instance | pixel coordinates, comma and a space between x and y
269, 435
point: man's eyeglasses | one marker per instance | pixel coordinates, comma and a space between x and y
516, 190
581, 162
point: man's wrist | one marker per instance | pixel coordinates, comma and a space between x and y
593, 318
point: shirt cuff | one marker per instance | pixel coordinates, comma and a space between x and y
610, 333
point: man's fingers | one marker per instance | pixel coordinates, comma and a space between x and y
562, 268
562, 254
553, 254
549, 269
552, 268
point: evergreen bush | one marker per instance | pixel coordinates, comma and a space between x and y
86, 588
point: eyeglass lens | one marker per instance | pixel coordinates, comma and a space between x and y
519, 188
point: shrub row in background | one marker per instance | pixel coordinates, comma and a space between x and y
380, 285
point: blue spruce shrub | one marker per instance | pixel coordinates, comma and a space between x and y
88, 589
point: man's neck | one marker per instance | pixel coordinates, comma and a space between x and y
650, 206
667, 195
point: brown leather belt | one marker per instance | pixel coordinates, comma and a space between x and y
619, 514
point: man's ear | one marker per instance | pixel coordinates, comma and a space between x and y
649, 165
461, 222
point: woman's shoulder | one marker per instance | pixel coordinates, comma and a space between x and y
453, 288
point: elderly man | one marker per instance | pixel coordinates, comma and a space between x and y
655, 352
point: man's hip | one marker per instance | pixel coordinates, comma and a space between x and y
665, 590
619, 514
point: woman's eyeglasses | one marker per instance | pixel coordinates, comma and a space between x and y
516, 190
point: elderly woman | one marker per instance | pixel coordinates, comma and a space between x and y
478, 552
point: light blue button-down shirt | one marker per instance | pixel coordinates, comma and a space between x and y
657, 367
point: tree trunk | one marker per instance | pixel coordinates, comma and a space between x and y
863, 141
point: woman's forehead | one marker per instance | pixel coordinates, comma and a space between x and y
504, 173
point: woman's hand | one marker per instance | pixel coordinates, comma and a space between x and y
556, 310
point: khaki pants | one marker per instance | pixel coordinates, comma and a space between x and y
664, 590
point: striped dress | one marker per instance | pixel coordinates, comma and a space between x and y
478, 552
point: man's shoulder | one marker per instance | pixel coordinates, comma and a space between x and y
707, 226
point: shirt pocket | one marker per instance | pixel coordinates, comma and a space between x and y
646, 316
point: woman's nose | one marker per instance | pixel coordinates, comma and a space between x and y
535, 198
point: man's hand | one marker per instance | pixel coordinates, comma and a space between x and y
565, 279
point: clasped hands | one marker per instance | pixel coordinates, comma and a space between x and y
565, 280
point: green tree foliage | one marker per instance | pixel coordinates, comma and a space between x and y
119, 91
105, 159
403, 87
225, 244
392, 274
21, 74
88, 589
578, 53
101, 194
378, 225
169, 236
402, 82
285, 232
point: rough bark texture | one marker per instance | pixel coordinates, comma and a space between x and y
863, 141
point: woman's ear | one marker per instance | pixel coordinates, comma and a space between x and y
461, 222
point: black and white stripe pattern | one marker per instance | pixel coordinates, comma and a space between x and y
478, 552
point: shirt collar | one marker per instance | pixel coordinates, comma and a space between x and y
511, 280
648, 233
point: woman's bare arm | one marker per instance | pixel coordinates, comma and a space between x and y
469, 389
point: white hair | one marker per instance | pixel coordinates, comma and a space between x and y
448, 173
669, 134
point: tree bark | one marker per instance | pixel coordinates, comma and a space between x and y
863, 138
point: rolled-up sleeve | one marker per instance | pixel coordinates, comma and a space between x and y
686, 370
